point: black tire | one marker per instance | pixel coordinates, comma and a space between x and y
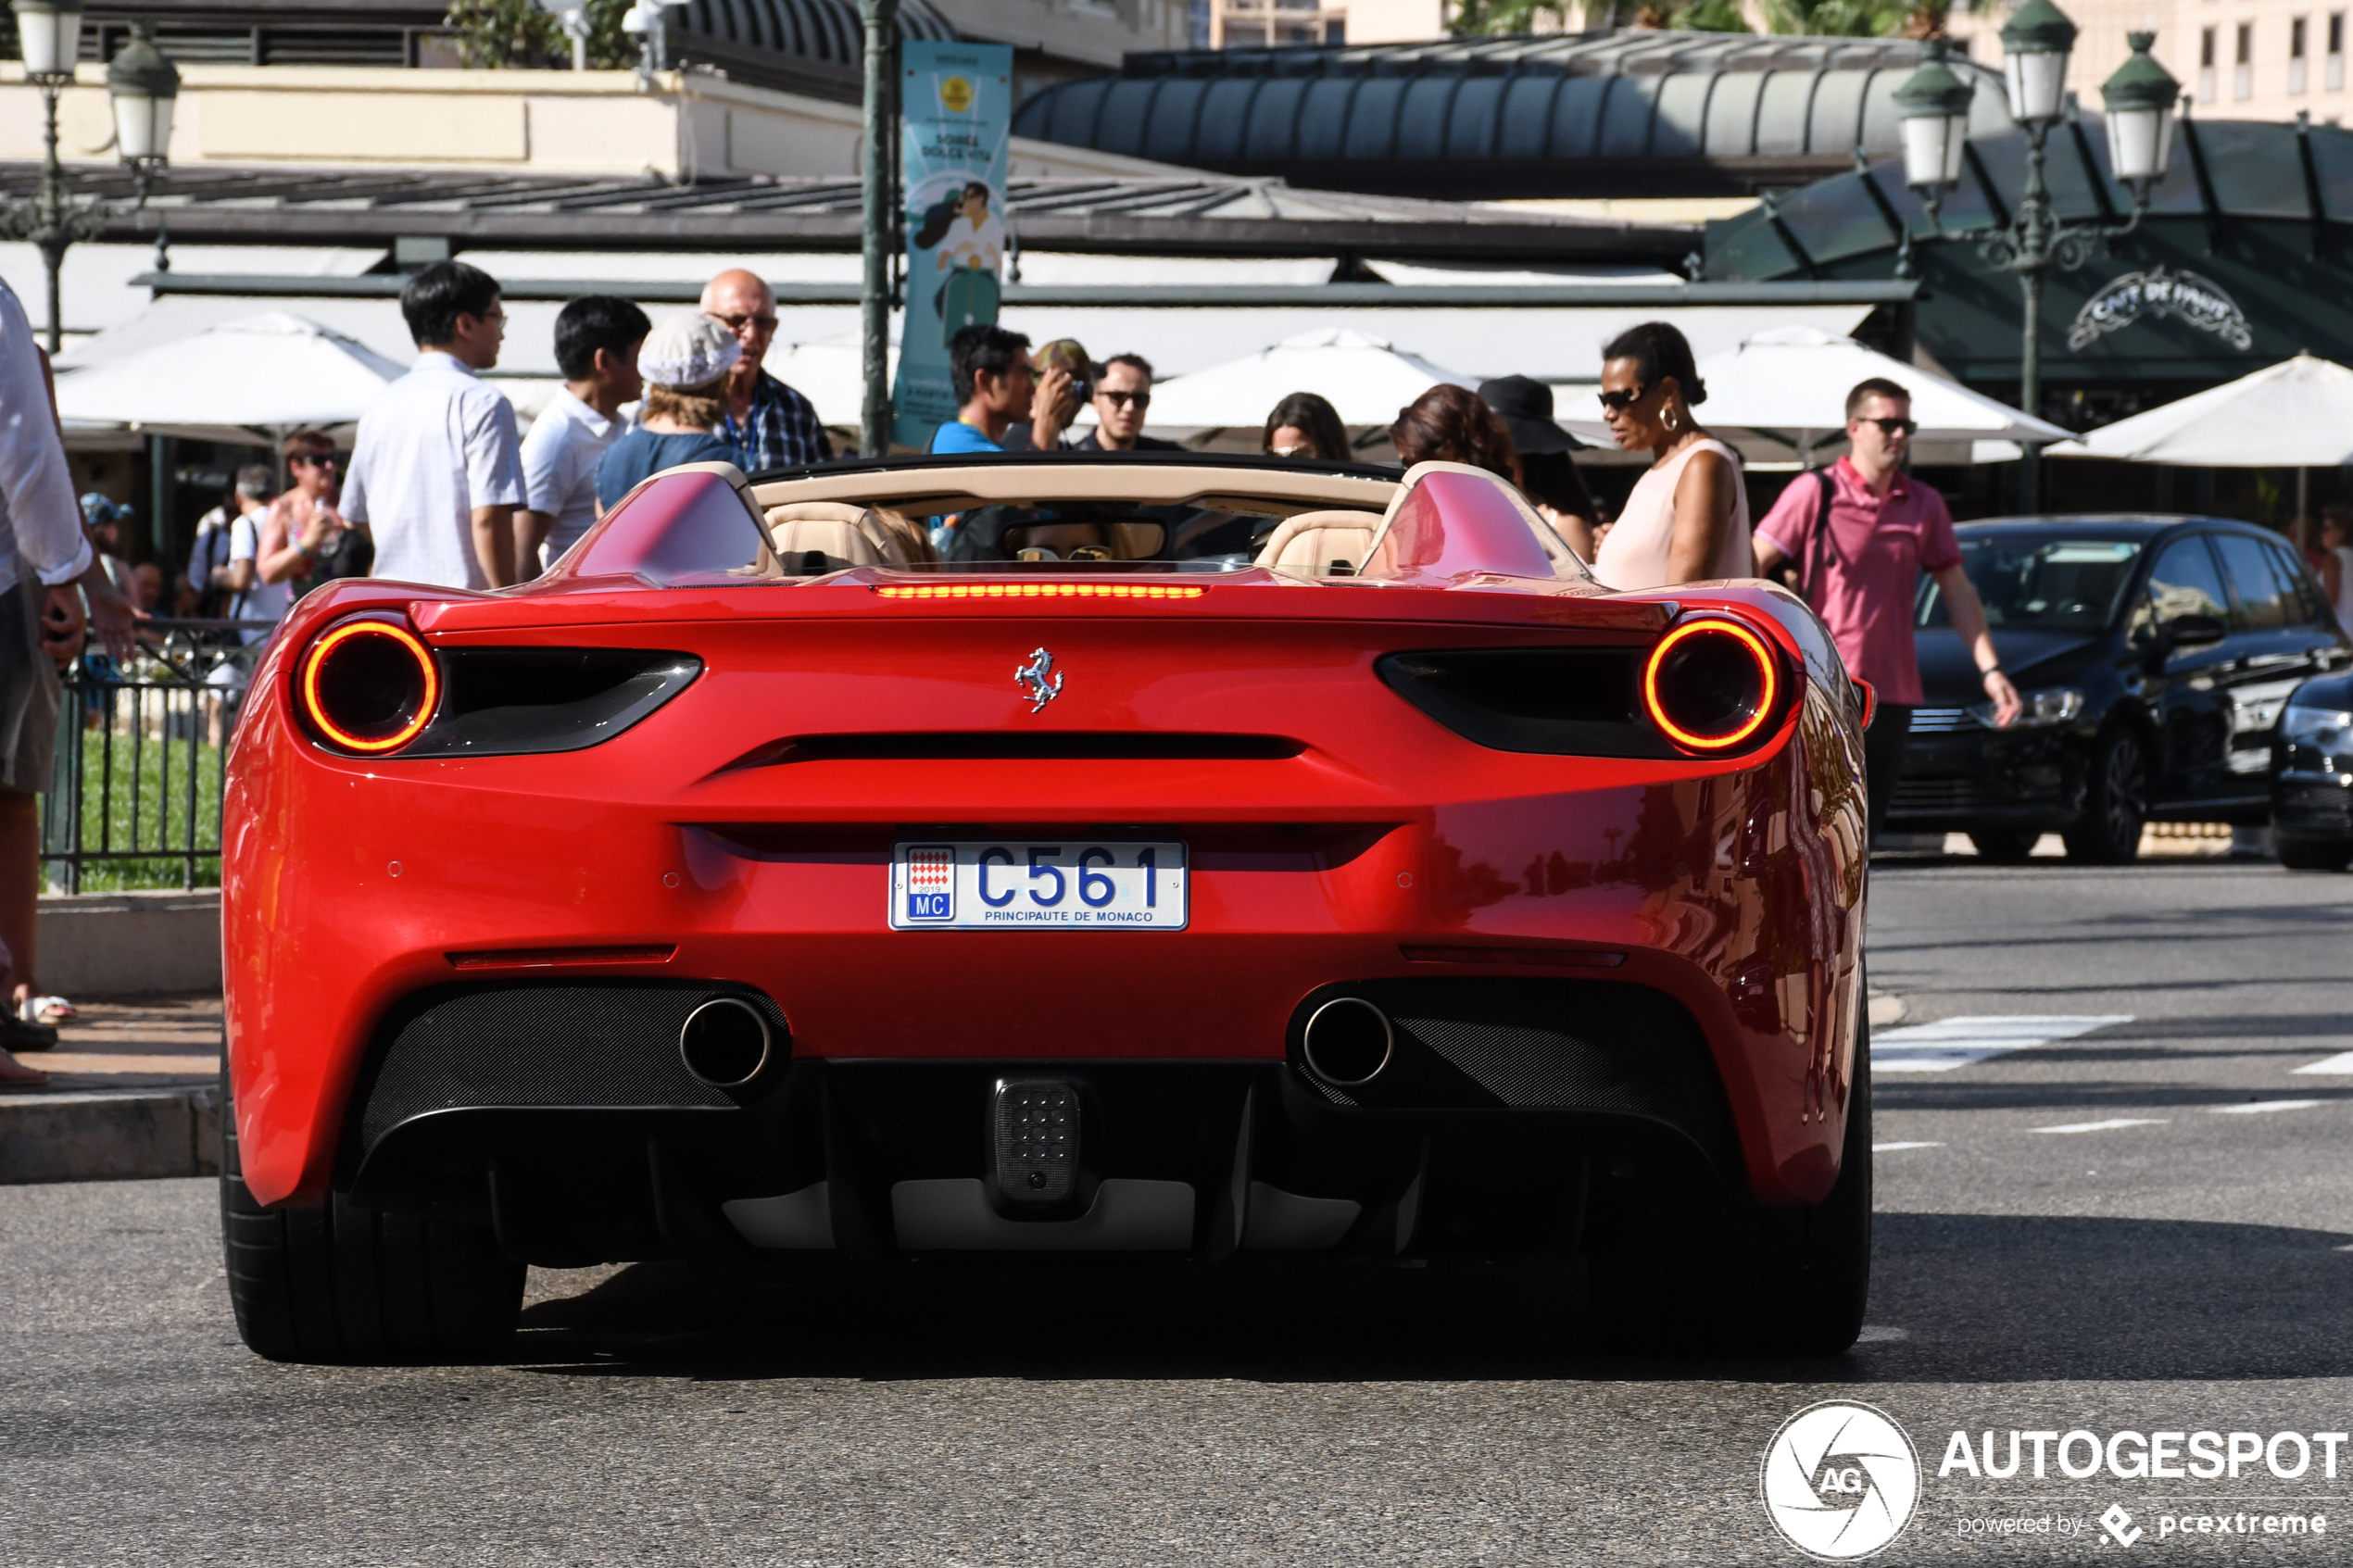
355, 1284
2005, 846
2312, 854
1723, 1273
2115, 802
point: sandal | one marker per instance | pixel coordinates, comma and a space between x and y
46, 1010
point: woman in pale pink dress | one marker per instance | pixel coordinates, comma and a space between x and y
1687, 519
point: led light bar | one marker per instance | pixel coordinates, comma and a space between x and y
1045, 591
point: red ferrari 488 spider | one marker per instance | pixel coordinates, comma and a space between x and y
1213, 857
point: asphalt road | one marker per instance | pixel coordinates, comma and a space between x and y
2181, 1266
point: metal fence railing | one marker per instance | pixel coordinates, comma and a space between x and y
142, 755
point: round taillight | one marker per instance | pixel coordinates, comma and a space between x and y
1711, 684
369, 685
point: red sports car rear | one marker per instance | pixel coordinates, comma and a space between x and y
742, 891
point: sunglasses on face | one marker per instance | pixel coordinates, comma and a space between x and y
738, 323
1894, 427
1121, 399
1619, 402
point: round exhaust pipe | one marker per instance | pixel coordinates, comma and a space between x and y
726, 1042
1347, 1041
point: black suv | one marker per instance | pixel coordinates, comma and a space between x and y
2154, 655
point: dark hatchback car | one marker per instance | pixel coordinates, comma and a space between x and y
2313, 777
2154, 655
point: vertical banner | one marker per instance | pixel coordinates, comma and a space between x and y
956, 110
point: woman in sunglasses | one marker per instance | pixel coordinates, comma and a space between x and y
304, 541
1687, 519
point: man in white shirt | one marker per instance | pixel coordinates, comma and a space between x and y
596, 340
436, 473
213, 579
45, 567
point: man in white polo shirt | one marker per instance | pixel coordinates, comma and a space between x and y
597, 336
436, 473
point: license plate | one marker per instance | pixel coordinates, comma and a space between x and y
1016, 885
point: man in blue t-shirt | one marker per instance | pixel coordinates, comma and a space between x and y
996, 385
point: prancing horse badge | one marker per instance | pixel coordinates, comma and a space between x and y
1038, 680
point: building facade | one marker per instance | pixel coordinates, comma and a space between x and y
2238, 59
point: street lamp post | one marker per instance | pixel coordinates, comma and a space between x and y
145, 87
2140, 97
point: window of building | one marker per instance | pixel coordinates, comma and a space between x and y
2332, 67
2296, 29
2243, 67
2205, 65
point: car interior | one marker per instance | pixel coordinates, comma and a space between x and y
1005, 516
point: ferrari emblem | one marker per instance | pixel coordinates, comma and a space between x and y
1039, 680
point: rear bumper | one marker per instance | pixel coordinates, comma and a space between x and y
562, 1115
352, 888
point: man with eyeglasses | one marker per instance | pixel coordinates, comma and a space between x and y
436, 469
1122, 395
771, 424
1860, 534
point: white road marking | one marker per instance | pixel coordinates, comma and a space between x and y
2257, 1108
1956, 1042
2104, 1126
1882, 1148
2341, 1062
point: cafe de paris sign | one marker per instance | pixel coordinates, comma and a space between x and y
2157, 295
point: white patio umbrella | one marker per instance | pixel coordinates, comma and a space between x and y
258, 375
1363, 377
2296, 414
1791, 384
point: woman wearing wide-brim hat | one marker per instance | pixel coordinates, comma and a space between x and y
1547, 474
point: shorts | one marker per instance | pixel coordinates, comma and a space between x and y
31, 690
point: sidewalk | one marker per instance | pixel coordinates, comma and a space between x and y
134, 1093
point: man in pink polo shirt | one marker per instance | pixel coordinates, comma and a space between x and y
1863, 575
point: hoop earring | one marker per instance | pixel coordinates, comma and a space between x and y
1671, 419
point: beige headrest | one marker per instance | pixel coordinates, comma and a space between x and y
845, 535
1312, 541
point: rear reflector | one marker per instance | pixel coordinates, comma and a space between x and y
1045, 591
1533, 958
558, 958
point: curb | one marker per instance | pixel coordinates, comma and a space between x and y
100, 1135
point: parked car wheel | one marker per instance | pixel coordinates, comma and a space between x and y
2312, 854
2005, 846
2115, 803
347, 1283
1720, 1272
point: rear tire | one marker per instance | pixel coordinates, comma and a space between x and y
1721, 1272
2312, 854
2115, 803
2004, 846
347, 1283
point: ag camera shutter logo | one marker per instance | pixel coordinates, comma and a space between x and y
1840, 1480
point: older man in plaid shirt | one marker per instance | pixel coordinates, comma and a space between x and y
771, 424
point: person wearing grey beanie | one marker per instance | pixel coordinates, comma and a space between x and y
684, 362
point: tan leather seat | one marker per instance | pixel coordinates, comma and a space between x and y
1312, 541
842, 534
